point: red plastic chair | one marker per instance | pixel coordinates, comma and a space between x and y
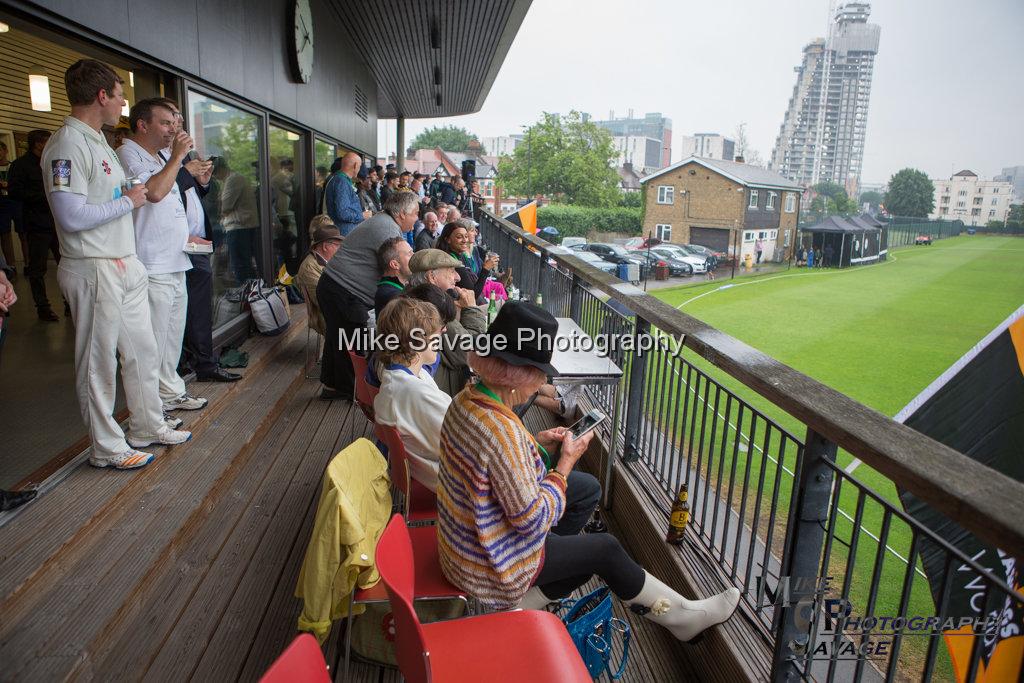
430, 582
301, 662
506, 646
420, 502
363, 391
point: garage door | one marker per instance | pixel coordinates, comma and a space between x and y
712, 238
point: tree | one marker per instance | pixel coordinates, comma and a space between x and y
565, 158
831, 200
448, 138
743, 149
631, 199
872, 198
1015, 219
910, 193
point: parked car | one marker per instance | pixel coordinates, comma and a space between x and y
573, 242
616, 253
715, 257
923, 239
596, 261
676, 267
676, 253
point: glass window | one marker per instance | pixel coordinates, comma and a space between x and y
753, 200
232, 137
324, 154
663, 232
790, 202
287, 195
771, 200
666, 194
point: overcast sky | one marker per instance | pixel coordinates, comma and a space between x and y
947, 90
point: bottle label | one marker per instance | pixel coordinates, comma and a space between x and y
680, 518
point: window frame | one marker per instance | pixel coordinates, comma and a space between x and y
770, 202
790, 202
661, 230
753, 199
666, 194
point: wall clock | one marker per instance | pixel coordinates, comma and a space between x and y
302, 41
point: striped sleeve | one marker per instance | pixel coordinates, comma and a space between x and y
531, 507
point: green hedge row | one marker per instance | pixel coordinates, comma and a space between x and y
578, 221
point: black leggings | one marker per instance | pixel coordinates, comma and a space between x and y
570, 561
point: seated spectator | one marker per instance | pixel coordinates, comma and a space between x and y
409, 400
455, 240
325, 242
445, 306
428, 235
442, 213
393, 259
439, 269
500, 490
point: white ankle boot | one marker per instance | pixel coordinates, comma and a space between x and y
534, 599
686, 619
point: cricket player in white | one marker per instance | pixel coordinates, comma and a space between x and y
161, 231
99, 274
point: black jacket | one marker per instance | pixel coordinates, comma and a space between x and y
185, 181
25, 185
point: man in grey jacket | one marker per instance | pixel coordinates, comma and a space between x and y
347, 287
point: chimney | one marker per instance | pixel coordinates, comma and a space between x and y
739, 159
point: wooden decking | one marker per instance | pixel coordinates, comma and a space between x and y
185, 570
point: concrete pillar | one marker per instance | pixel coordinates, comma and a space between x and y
400, 142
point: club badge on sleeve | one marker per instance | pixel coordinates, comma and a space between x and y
61, 172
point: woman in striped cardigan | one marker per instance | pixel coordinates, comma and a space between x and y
501, 490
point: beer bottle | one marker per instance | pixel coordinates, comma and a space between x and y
492, 308
679, 518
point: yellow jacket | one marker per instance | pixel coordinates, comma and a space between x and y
354, 507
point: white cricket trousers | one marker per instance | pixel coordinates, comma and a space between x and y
110, 309
168, 303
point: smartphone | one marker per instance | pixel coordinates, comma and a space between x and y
587, 423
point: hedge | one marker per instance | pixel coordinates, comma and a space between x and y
578, 221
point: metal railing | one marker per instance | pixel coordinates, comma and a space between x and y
774, 510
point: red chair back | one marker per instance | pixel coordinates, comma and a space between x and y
395, 564
364, 392
301, 662
398, 459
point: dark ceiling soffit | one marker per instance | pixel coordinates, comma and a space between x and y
461, 93
515, 21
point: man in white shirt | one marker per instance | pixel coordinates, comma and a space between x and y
161, 231
103, 282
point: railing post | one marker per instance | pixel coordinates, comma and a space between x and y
542, 279
801, 560
575, 297
634, 395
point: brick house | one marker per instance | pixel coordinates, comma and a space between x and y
724, 205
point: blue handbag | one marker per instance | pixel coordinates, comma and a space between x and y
591, 625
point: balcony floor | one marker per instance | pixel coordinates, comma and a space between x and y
186, 569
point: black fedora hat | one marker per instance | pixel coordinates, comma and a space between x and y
523, 334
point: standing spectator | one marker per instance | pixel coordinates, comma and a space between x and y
342, 201
195, 183
448, 194
282, 189
325, 242
161, 232
320, 179
434, 190
99, 274
8, 499
373, 176
389, 188
393, 258
240, 218
810, 256
25, 185
429, 234
405, 181
366, 200
758, 248
9, 210
346, 291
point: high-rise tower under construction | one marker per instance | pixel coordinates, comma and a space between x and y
822, 136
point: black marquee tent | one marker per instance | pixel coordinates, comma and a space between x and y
855, 241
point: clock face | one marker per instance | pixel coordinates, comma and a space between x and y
302, 41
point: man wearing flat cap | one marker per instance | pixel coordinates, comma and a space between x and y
326, 240
438, 268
